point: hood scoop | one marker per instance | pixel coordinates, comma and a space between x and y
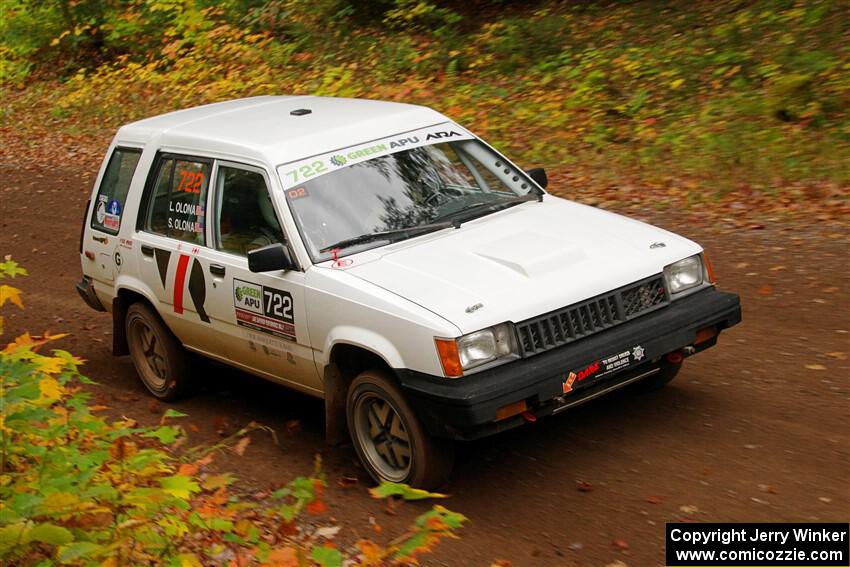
529, 254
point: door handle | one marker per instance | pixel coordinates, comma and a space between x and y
217, 270
147, 250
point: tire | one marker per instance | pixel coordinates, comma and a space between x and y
389, 439
160, 360
657, 381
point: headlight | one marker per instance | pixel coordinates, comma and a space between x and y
684, 274
476, 349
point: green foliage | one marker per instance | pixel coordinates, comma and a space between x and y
653, 91
78, 489
388, 489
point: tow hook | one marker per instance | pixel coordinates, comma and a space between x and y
675, 357
529, 417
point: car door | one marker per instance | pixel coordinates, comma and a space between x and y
107, 213
262, 316
171, 233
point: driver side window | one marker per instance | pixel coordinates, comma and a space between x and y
245, 216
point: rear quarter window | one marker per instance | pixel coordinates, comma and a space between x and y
112, 194
177, 198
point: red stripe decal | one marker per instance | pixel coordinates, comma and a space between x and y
179, 280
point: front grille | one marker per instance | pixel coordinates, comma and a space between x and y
580, 320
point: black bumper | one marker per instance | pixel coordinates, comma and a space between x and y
466, 408
85, 288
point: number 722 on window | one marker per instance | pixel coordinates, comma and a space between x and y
307, 171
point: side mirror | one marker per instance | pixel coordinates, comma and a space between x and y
270, 258
538, 174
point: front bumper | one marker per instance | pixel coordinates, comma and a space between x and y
466, 408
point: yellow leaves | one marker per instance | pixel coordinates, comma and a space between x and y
50, 389
59, 503
676, 84
284, 557
11, 294
815, 367
49, 364
189, 560
372, 553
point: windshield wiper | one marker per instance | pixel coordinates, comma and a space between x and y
388, 234
494, 206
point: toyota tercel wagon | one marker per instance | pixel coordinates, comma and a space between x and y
384, 258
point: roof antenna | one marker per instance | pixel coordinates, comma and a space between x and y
300, 111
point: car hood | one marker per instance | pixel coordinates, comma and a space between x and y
521, 262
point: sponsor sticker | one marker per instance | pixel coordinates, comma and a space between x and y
296, 173
264, 309
100, 212
112, 222
603, 367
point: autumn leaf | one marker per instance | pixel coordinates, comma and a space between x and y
316, 507
49, 365
387, 489
372, 553
188, 469
11, 294
326, 556
50, 389
283, 557
816, 367
241, 445
180, 486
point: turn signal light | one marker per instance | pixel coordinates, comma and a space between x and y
708, 268
449, 358
704, 335
510, 410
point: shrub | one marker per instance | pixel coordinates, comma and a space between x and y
76, 488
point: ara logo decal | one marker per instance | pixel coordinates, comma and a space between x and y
440, 135
338, 160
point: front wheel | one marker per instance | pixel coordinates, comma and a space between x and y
158, 357
389, 439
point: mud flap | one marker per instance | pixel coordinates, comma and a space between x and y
119, 334
336, 388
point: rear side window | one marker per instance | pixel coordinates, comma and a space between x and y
178, 199
112, 194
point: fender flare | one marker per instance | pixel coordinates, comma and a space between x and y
366, 339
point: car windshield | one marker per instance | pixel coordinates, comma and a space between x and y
401, 195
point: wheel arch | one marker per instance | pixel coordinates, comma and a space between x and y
122, 301
345, 361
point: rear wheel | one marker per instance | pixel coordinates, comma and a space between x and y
389, 439
159, 358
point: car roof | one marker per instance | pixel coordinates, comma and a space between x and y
265, 128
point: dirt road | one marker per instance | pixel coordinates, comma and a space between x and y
753, 430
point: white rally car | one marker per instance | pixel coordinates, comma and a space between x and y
384, 258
